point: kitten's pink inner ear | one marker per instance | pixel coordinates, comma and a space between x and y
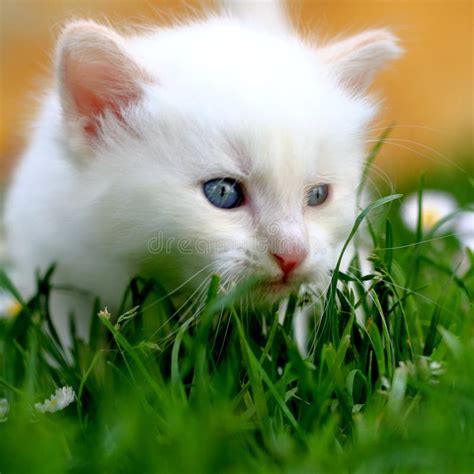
357, 59
95, 74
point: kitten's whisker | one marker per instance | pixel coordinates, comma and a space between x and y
216, 333
419, 153
401, 125
176, 313
200, 290
180, 286
224, 339
421, 295
425, 147
323, 320
382, 175
320, 322
454, 234
422, 145
167, 340
200, 298
370, 289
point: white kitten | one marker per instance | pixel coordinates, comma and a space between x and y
178, 152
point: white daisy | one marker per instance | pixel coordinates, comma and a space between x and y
4, 409
435, 206
61, 399
465, 229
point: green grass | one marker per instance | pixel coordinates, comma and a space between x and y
217, 394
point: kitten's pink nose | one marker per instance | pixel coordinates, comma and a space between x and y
289, 261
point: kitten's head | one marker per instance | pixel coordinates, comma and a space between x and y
217, 148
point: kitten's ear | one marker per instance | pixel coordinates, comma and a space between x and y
357, 59
95, 74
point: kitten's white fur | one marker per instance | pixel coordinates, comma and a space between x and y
137, 123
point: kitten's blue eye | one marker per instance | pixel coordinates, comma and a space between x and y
225, 193
318, 194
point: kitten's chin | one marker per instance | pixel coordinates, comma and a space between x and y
276, 288
271, 291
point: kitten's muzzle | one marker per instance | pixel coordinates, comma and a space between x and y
288, 262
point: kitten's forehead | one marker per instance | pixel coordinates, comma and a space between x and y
220, 48
256, 107
289, 154
273, 152
224, 68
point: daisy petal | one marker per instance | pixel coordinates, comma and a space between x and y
61, 399
435, 206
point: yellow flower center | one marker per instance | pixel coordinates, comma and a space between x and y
430, 217
13, 309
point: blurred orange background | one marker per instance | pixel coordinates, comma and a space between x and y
428, 93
